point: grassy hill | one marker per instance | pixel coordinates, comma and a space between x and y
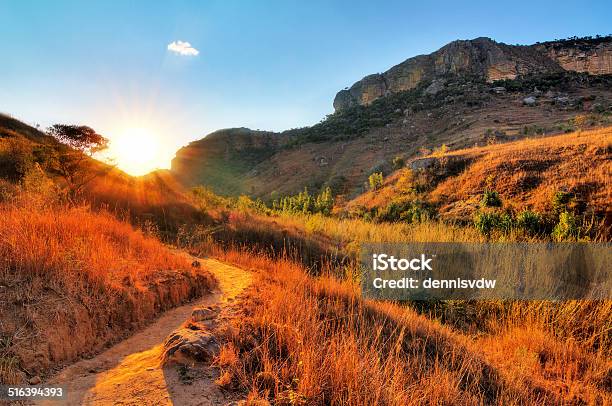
26, 151
527, 174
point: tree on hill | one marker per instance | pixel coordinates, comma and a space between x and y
74, 161
306, 203
375, 180
324, 202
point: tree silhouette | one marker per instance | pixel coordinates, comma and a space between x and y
74, 160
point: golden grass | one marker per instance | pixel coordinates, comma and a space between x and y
526, 173
73, 281
304, 340
344, 234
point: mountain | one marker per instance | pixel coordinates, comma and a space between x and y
224, 158
467, 93
485, 59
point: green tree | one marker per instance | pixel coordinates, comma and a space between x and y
324, 202
375, 180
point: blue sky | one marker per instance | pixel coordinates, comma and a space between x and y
261, 64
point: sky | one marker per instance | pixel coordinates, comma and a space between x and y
175, 71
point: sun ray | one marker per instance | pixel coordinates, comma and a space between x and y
136, 151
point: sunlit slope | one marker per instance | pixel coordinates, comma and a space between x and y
526, 174
73, 281
24, 149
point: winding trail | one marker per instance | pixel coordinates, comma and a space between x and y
129, 373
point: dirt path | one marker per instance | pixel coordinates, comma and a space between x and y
129, 372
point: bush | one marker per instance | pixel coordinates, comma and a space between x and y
568, 227
306, 203
529, 221
561, 201
375, 180
206, 199
398, 162
15, 159
490, 198
408, 211
245, 204
324, 203
487, 222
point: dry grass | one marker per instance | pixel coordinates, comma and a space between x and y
304, 340
155, 197
73, 281
526, 173
314, 236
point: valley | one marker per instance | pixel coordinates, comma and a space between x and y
234, 278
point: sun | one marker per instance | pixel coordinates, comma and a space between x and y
136, 151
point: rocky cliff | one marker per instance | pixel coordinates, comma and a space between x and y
593, 56
483, 58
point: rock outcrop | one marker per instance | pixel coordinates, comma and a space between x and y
483, 58
193, 342
594, 56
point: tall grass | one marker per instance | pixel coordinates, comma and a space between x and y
305, 340
72, 281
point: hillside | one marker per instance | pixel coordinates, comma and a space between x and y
25, 149
526, 174
456, 104
74, 277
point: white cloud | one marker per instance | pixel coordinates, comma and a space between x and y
182, 48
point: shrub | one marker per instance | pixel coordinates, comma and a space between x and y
490, 198
206, 199
487, 222
398, 162
245, 204
529, 221
306, 203
375, 180
567, 228
407, 211
560, 201
406, 182
324, 203
15, 159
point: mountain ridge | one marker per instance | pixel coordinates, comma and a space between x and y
484, 58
